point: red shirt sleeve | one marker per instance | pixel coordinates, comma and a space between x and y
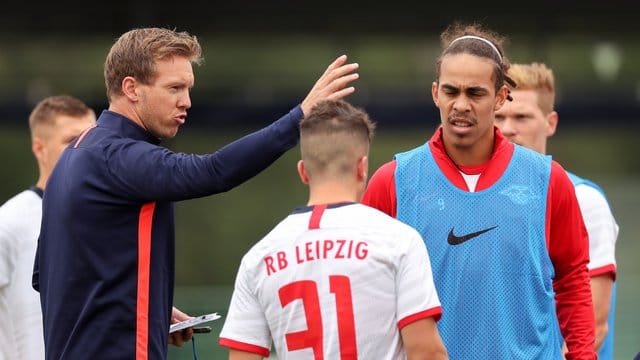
381, 190
569, 251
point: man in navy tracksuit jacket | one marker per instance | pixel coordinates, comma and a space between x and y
105, 260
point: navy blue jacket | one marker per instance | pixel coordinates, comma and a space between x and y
105, 260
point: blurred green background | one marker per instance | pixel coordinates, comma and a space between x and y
261, 58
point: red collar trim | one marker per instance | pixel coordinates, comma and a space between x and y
489, 172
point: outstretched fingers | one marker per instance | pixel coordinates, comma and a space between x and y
338, 89
332, 84
335, 64
337, 69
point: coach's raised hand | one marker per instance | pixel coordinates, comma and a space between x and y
332, 85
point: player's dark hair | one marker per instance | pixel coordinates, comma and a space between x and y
475, 40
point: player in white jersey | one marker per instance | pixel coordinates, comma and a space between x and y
529, 120
54, 122
335, 279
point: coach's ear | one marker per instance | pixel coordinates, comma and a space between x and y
130, 88
303, 173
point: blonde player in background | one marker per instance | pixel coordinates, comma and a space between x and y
54, 122
335, 279
529, 120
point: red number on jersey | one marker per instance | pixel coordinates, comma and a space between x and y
307, 291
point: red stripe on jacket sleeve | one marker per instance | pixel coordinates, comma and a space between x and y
237, 345
145, 223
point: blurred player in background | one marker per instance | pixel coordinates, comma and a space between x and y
501, 222
335, 279
529, 120
53, 122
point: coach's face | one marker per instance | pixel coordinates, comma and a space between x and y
163, 104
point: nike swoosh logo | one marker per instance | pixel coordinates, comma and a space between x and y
457, 240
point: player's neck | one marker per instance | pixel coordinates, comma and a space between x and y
331, 193
42, 179
474, 155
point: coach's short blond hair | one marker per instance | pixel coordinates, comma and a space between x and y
333, 136
539, 78
136, 52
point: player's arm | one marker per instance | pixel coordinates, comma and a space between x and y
418, 306
603, 233
421, 340
381, 190
9, 255
243, 355
569, 251
245, 331
601, 289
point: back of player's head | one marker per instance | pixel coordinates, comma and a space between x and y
44, 114
136, 51
333, 137
539, 78
474, 39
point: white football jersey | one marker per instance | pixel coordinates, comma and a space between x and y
21, 335
332, 282
602, 229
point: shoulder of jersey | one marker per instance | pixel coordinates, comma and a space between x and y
379, 219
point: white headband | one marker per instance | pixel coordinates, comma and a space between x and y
481, 39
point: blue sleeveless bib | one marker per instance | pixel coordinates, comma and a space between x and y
488, 252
